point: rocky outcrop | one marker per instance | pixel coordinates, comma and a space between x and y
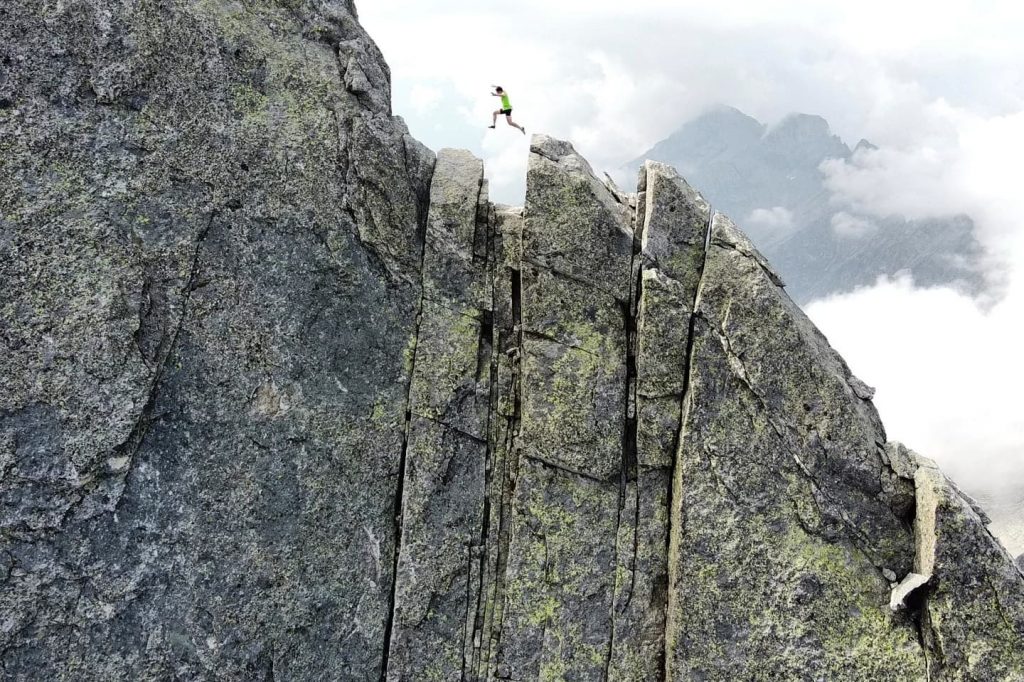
284, 398
211, 248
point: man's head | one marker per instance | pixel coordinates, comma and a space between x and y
497, 88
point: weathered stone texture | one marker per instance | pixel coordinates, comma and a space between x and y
769, 570
210, 256
442, 506
566, 509
671, 222
973, 605
283, 397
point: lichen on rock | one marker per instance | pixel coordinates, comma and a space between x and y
285, 396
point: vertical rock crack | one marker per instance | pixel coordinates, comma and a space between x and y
674, 519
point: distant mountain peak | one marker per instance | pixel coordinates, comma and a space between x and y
864, 145
726, 111
754, 171
806, 137
722, 118
803, 123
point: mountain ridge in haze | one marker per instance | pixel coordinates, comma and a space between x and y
770, 179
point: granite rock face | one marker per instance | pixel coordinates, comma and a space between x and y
211, 248
284, 396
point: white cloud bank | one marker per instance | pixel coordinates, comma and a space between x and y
778, 218
425, 98
949, 375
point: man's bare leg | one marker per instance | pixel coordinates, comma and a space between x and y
494, 120
515, 125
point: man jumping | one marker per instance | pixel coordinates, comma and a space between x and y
506, 108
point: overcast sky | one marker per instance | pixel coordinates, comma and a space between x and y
939, 86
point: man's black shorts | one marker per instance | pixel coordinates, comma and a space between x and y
507, 112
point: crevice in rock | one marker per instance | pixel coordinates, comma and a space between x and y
935, 658
659, 396
629, 430
478, 316
628, 467
517, 301
479, 624
544, 155
916, 612
600, 287
636, 546
488, 335
490, 604
673, 521
511, 474
481, 227
486, 365
771, 274
399, 507
450, 427
553, 339
479, 630
398, 512
138, 433
857, 538
485, 347
999, 604
468, 627
488, 629
562, 468
146, 306
422, 191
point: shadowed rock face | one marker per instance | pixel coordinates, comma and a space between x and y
211, 249
284, 398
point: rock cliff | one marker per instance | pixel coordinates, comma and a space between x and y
285, 397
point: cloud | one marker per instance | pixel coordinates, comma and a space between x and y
778, 218
964, 164
616, 79
425, 98
921, 177
948, 374
505, 155
846, 225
